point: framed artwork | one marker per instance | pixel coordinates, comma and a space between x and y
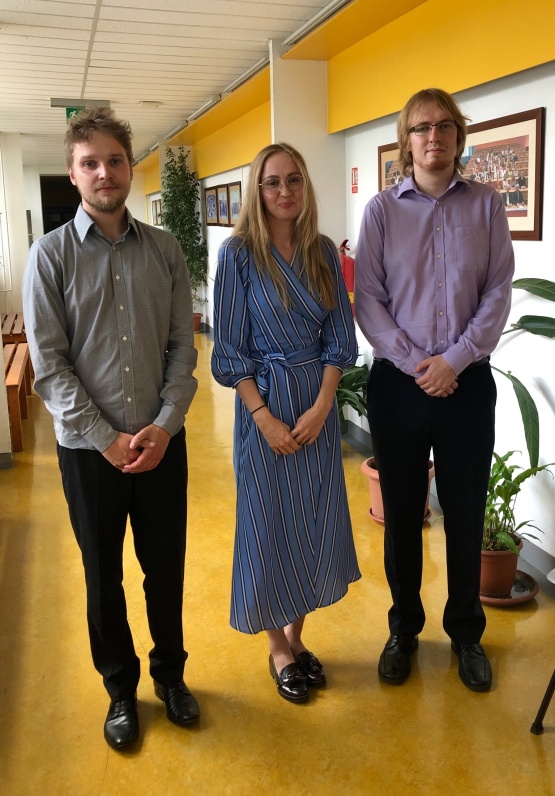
210, 206
234, 201
222, 197
506, 153
157, 212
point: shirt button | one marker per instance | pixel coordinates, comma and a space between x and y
442, 341
441, 315
440, 284
129, 400
438, 229
117, 276
121, 306
113, 248
124, 337
439, 256
127, 370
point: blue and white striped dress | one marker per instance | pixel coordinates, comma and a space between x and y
294, 549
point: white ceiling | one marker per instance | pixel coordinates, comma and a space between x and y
178, 52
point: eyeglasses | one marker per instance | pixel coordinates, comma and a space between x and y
426, 129
273, 185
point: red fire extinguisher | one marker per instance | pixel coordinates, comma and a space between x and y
348, 272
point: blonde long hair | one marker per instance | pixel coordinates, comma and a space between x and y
252, 227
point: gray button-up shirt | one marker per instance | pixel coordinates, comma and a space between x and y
110, 331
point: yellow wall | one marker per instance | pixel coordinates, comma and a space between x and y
234, 145
151, 175
449, 45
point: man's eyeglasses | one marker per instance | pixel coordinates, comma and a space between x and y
273, 185
426, 129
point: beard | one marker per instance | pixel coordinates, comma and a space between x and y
104, 204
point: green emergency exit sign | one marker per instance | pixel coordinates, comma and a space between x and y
72, 112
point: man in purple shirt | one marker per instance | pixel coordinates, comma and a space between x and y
433, 281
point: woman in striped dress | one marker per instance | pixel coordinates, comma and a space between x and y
283, 332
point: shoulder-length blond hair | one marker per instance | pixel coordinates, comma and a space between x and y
452, 111
252, 227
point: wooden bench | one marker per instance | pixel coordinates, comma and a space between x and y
17, 369
13, 328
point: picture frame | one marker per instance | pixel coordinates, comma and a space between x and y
156, 208
210, 207
510, 150
506, 153
235, 201
222, 202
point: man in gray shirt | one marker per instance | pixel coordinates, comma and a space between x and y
108, 314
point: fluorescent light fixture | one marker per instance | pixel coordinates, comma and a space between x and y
149, 104
322, 15
214, 99
176, 130
57, 102
246, 75
153, 148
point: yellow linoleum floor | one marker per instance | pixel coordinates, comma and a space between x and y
430, 736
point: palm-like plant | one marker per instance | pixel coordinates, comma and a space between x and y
500, 529
535, 324
351, 391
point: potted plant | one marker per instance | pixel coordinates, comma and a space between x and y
502, 537
351, 391
180, 215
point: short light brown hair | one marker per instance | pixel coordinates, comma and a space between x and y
96, 120
451, 108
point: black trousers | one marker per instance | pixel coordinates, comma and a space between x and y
406, 424
100, 500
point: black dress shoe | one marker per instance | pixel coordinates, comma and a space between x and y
312, 669
121, 727
394, 666
474, 668
181, 706
290, 682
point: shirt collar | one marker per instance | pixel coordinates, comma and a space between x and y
83, 222
409, 184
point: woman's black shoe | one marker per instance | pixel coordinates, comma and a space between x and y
290, 682
312, 669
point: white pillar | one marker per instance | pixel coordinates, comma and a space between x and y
299, 118
17, 237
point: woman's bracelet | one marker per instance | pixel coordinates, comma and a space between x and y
262, 406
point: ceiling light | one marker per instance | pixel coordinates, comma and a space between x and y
318, 18
149, 104
57, 102
214, 99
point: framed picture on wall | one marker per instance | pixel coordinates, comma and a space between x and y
222, 196
234, 201
157, 212
210, 206
505, 153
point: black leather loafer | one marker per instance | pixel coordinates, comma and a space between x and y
395, 666
474, 668
312, 669
290, 682
121, 727
181, 706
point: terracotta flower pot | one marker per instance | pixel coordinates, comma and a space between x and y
369, 469
197, 317
498, 572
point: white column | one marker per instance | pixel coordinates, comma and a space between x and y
17, 237
299, 118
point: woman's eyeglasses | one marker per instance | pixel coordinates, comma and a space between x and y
426, 129
273, 185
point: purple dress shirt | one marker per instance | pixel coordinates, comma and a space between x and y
434, 276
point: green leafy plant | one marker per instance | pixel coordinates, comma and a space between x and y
540, 325
351, 391
180, 215
501, 531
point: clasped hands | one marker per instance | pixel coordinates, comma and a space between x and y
439, 379
282, 439
138, 453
